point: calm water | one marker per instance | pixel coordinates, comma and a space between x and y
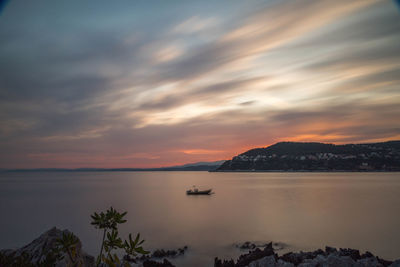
304, 210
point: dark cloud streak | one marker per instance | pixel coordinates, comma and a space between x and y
80, 88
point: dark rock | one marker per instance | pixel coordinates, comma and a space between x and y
384, 262
128, 258
40, 250
331, 260
330, 257
367, 254
291, 257
353, 253
396, 263
158, 254
143, 257
278, 245
247, 245
164, 263
225, 263
318, 252
330, 250
266, 261
297, 258
369, 262
256, 254
161, 253
269, 249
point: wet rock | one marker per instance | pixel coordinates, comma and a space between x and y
266, 261
297, 258
353, 253
366, 255
291, 257
250, 245
161, 253
331, 257
396, 263
247, 245
308, 263
224, 263
330, 250
282, 263
151, 263
369, 262
256, 254
129, 259
331, 260
246, 259
318, 252
384, 262
278, 245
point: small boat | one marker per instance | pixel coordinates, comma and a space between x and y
196, 191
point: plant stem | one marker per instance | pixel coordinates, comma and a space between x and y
101, 250
70, 257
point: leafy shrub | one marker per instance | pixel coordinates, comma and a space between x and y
108, 221
68, 245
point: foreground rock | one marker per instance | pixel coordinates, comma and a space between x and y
151, 263
330, 257
250, 245
150, 260
39, 253
161, 253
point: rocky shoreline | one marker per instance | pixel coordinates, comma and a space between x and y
39, 253
329, 257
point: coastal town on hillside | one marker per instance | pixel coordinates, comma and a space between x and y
318, 156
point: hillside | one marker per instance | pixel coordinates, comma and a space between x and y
293, 156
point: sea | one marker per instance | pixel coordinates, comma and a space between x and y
303, 211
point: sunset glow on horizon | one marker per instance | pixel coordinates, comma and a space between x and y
159, 83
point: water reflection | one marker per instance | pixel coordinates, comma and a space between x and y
304, 210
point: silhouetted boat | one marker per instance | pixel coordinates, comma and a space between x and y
196, 191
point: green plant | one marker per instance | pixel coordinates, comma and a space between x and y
51, 257
108, 221
132, 248
68, 244
12, 260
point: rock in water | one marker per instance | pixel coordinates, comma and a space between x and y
37, 251
164, 263
331, 257
266, 261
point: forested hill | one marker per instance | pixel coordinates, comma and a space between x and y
294, 156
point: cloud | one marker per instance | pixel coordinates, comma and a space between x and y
147, 89
194, 24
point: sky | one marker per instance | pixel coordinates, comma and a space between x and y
159, 83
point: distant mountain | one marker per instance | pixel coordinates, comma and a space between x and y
294, 156
197, 166
204, 163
